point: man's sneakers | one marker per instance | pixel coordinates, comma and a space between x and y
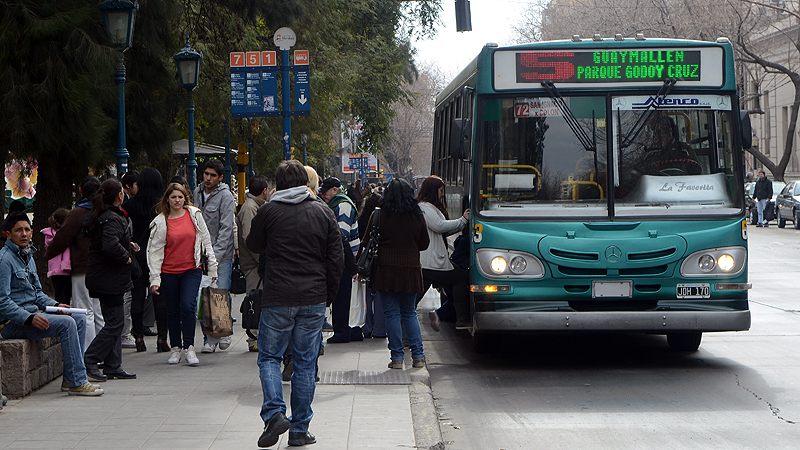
275, 426
175, 357
86, 390
224, 343
252, 345
298, 439
191, 356
208, 348
128, 341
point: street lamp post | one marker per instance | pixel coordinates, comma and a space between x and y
188, 62
119, 17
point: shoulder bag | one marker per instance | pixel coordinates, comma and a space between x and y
368, 260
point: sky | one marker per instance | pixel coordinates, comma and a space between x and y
492, 21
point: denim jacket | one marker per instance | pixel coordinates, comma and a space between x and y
20, 291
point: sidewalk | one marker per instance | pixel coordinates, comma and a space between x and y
359, 404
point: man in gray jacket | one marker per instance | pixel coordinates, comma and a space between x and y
216, 201
303, 245
247, 259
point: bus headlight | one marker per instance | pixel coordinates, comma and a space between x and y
706, 263
497, 263
715, 262
726, 262
518, 265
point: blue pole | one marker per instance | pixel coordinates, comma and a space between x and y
287, 124
191, 166
250, 173
122, 152
227, 153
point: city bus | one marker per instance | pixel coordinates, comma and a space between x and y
605, 181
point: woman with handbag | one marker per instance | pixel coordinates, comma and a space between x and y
142, 209
399, 227
178, 241
436, 266
108, 278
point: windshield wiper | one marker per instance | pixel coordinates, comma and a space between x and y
588, 144
669, 83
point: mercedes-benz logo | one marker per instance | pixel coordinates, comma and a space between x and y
613, 253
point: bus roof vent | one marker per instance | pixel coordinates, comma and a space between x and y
597, 37
618, 37
723, 40
639, 37
576, 38
491, 44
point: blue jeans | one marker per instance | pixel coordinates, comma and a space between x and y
375, 322
71, 330
180, 291
303, 325
400, 307
760, 206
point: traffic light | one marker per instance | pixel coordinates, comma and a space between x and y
380, 173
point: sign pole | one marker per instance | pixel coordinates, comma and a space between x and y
287, 122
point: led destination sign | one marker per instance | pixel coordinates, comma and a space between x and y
607, 66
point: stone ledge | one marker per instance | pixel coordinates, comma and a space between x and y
28, 365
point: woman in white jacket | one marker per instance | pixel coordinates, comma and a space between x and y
436, 266
178, 239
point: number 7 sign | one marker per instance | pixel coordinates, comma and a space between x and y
237, 59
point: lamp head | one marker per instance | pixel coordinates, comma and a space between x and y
119, 18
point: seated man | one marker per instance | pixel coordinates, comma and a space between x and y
22, 302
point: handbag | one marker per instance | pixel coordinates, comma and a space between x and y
358, 303
251, 308
136, 268
216, 311
368, 259
238, 281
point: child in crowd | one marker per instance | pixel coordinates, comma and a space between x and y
58, 268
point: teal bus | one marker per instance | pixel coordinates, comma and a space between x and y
605, 179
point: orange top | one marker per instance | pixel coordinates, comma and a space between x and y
179, 250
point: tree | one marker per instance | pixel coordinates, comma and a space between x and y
411, 138
746, 22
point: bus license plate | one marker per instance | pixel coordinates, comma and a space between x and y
694, 290
605, 289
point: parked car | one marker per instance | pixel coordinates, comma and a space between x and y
749, 190
788, 203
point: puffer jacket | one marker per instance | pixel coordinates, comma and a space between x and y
108, 270
435, 257
158, 240
303, 246
69, 237
219, 213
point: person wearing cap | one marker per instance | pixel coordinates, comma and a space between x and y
347, 215
22, 305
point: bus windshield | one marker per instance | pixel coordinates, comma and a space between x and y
676, 159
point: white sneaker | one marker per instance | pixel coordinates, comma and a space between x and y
175, 358
128, 341
224, 343
191, 356
208, 348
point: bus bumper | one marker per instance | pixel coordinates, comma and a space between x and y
639, 321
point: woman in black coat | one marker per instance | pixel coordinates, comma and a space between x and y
108, 277
142, 209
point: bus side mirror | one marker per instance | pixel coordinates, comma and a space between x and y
747, 129
460, 138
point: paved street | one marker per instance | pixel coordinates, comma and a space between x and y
739, 391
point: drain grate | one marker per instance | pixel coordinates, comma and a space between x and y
364, 378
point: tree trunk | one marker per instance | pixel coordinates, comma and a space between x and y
53, 191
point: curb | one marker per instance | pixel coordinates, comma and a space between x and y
427, 433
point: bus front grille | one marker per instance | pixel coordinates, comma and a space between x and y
581, 272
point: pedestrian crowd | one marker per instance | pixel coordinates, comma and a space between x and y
131, 255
